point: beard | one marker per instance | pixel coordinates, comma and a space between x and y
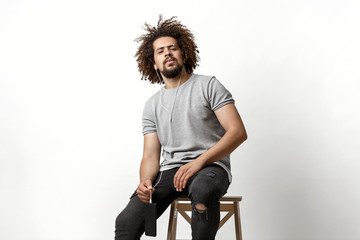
172, 73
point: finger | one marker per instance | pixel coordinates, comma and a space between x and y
178, 179
150, 189
143, 196
143, 189
186, 179
140, 195
144, 199
143, 192
181, 180
175, 178
148, 184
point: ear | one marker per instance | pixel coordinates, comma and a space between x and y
155, 67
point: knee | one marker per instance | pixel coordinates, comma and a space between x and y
203, 199
120, 221
200, 208
126, 228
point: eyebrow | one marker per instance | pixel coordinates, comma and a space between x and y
171, 45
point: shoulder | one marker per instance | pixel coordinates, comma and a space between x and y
204, 81
207, 82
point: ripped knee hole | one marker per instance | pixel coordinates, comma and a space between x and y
200, 208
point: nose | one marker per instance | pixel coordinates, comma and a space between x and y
167, 52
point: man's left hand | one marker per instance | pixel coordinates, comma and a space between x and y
184, 173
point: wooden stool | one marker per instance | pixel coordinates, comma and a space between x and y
225, 206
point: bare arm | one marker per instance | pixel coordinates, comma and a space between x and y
149, 166
229, 118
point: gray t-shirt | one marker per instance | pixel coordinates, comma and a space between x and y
185, 121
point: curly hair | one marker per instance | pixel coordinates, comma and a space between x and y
165, 28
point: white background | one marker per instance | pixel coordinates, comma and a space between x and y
71, 101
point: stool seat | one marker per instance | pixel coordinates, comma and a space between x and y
229, 204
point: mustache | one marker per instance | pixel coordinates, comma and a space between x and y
170, 58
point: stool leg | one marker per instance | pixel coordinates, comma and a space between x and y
171, 222
237, 221
173, 234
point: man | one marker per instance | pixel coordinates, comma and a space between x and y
194, 120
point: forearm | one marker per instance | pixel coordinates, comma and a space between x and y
226, 145
149, 168
235, 134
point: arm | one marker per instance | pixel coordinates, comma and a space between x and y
149, 166
229, 118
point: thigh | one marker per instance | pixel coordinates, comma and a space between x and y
210, 183
130, 222
164, 193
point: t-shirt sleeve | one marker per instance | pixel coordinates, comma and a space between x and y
218, 94
148, 121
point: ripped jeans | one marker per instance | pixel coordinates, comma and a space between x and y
204, 188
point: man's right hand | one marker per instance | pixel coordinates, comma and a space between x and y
143, 190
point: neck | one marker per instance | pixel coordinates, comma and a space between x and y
171, 83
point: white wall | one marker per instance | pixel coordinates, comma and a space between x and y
71, 101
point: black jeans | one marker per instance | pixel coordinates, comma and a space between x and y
205, 187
